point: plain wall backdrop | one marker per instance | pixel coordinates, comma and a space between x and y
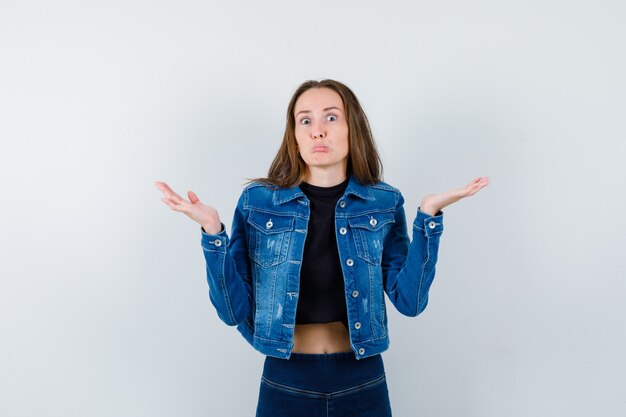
104, 307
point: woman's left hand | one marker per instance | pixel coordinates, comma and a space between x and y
432, 203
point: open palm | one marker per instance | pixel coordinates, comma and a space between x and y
434, 202
203, 214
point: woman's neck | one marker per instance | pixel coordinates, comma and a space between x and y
323, 178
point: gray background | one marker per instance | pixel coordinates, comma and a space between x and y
104, 307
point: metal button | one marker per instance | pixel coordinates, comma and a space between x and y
432, 224
349, 262
269, 224
357, 325
373, 221
361, 351
355, 293
217, 242
342, 204
343, 230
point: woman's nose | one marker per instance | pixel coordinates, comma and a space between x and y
319, 131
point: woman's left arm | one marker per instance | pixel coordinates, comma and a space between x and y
408, 267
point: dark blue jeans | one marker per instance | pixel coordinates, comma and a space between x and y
323, 385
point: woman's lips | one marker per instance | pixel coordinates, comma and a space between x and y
320, 149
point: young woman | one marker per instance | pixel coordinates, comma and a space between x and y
313, 249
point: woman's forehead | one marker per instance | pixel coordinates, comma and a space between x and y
318, 99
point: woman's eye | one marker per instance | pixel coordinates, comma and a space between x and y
303, 120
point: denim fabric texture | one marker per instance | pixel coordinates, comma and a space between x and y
323, 385
254, 274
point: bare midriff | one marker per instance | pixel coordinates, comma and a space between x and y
321, 338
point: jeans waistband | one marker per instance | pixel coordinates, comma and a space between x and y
298, 356
323, 372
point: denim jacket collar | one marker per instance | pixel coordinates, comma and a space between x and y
354, 187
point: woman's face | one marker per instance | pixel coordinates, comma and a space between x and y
321, 129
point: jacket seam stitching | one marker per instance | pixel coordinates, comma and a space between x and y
339, 393
224, 289
419, 290
359, 387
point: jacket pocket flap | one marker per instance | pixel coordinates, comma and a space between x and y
270, 223
373, 221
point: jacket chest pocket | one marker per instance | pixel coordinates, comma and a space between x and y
369, 232
268, 240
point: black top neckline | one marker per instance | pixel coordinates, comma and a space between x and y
324, 191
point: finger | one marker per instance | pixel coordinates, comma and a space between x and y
193, 198
181, 208
163, 187
169, 192
170, 203
178, 199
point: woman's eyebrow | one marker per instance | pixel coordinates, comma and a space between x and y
309, 111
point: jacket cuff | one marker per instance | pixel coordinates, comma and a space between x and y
427, 224
215, 242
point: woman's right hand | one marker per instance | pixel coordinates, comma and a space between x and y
205, 215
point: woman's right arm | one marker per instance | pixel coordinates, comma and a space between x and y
228, 268
227, 262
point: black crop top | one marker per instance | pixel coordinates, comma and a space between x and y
322, 295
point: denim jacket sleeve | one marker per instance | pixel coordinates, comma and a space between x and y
409, 266
228, 269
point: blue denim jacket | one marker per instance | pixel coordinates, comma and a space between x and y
254, 275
